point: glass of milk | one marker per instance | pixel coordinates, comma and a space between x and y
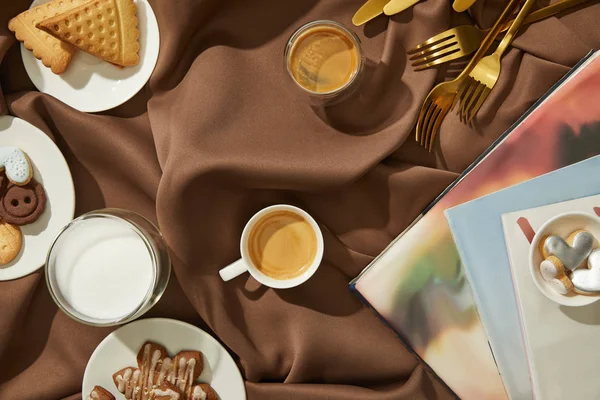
108, 267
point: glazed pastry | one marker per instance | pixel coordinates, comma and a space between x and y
130, 381
182, 371
157, 370
587, 281
573, 252
99, 393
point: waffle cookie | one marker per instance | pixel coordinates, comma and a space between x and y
106, 29
53, 53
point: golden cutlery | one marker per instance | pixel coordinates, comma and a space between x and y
483, 77
465, 39
368, 11
442, 98
462, 5
396, 6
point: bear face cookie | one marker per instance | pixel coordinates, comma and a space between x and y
22, 205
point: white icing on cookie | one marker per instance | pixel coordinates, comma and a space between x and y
15, 162
588, 280
571, 256
559, 286
198, 393
166, 393
551, 268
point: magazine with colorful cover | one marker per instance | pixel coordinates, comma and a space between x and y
477, 230
555, 336
417, 285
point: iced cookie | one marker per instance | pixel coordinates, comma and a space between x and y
16, 164
552, 268
202, 391
572, 252
99, 393
167, 391
23, 205
553, 271
587, 280
181, 371
11, 241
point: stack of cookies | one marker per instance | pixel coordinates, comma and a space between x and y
160, 377
54, 31
22, 200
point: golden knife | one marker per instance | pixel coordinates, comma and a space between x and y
462, 5
396, 6
369, 10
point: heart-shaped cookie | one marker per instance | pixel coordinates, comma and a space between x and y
587, 281
17, 165
572, 252
553, 272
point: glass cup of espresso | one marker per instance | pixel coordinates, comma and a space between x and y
107, 267
281, 247
325, 61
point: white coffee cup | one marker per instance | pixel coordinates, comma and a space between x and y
245, 263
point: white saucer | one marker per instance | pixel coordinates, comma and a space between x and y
51, 170
92, 85
119, 349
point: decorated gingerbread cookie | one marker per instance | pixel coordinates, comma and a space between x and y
22, 205
16, 164
99, 393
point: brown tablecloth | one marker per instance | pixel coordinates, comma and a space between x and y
214, 137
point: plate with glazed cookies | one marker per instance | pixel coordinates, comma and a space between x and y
162, 359
37, 197
92, 55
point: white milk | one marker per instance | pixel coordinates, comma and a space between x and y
103, 268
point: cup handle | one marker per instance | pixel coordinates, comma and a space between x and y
233, 270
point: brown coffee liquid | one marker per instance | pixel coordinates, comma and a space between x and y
323, 59
282, 245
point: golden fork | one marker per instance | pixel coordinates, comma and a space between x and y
441, 99
476, 88
465, 39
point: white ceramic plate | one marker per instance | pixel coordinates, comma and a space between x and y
90, 84
119, 349
52, 171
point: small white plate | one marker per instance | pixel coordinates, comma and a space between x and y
92, 85
52, 171
119, 349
